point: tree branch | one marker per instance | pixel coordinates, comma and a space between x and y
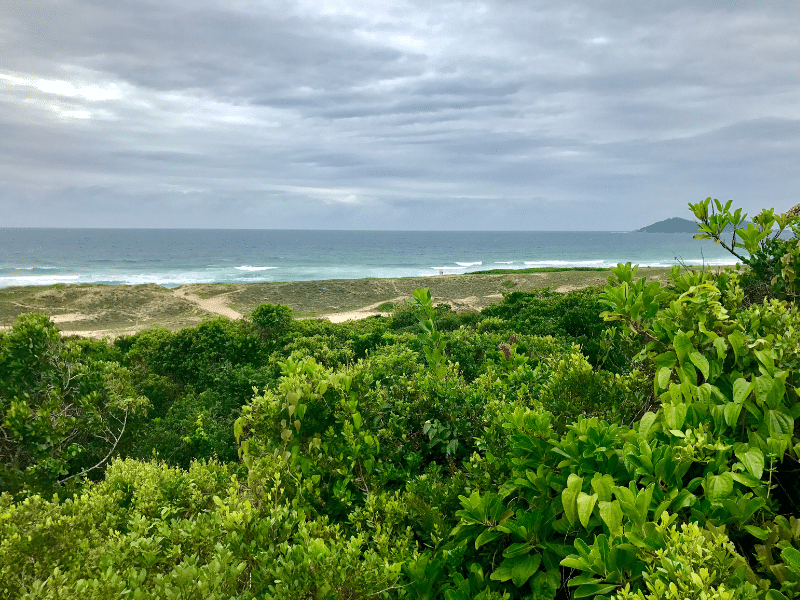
107, 456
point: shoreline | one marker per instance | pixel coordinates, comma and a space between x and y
98, 310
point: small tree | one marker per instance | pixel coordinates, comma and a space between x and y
773, 261
272, 319
61, 414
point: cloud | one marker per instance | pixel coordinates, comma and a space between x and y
339, 114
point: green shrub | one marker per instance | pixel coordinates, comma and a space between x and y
62, 413
272, 320
694, 563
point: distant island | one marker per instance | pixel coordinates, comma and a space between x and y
673, 225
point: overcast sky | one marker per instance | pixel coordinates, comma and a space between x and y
361, 114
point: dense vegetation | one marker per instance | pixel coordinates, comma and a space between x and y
632, 442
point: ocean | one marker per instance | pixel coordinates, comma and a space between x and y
173, 257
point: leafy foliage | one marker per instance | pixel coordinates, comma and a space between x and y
773, 261
632, 442
62, 413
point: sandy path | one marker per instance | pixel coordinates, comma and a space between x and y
469, 303
362, 313
214, 305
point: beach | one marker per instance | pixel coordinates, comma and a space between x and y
97, 310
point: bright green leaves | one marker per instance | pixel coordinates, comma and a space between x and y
62, 412
751, 237
569, 498
736, 340
766, 359
432, 342
623, 273
791, 557
603, 485
741, 390
779, 424
585, 505
718, 487
635, 502
772, 259
683, 346
636, 302
611, 514
519, 569
751, 458
662, 378
714, 219
604, 565
675, 415
579, 506
487, 509
699, 361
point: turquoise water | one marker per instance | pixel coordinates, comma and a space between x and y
173, 257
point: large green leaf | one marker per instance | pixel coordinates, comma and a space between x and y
778, 423
791, 556
487, 536
752, 459
741, 389
675, 415
764, 386
736, 340
718, 487
767, 360
603, 485
569, 497
701, 362
524, 568
611, 513
517, 549
594, 589
662, 377
683, 346
585, 504
518, 569
646, 423
732, 412
665, 360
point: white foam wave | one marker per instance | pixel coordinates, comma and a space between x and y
504, 262
164, 279
251, 268
714, 262
565, 263
37, 280
34, 268
469, 264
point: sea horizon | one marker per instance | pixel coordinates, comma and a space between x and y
177, 256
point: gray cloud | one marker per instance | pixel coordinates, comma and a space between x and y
462, 115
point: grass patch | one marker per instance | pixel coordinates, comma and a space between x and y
536, 270
116, 309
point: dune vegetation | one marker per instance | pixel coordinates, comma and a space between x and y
629, 440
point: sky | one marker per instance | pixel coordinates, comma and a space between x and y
345, 114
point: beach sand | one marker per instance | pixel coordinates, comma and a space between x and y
112, 310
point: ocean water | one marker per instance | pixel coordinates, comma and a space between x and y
173, 257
